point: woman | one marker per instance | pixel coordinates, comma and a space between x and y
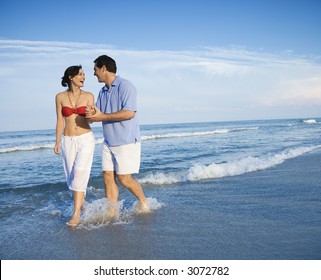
77, 145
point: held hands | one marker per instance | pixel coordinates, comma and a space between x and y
93, 114
90, 110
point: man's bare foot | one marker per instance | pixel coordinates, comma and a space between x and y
113, 212
144, 206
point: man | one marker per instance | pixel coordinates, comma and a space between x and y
116, 108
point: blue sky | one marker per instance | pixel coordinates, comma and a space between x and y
190, 61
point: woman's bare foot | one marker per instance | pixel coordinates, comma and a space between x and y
75, 220
79, 200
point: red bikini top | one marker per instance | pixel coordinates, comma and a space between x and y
67, 111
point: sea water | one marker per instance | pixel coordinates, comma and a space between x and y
33, 188
171, 153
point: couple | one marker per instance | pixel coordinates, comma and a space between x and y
116, 109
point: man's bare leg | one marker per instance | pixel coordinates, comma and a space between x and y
112, 192
133, 185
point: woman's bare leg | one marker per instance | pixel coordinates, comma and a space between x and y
79, 199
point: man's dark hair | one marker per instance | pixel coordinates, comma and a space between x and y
107, 61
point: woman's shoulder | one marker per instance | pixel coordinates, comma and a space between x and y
61, 94
87, 93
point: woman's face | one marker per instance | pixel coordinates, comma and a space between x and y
79, 80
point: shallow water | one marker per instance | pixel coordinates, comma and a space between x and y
251, 191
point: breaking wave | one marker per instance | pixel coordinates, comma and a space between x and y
30, 147
233, 168
191, 134
310, 121
99, 141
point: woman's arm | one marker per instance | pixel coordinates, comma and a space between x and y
121, 115
59, 125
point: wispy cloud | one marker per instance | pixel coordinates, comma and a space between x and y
13, 46
300, 92
204, 84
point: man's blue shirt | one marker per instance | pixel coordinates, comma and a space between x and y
121, 95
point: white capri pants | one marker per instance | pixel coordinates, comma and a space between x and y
77, 154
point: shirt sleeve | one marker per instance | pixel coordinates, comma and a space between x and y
128, 96
98, 101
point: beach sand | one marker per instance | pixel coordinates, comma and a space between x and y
263, 215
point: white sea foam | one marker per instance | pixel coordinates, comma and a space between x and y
245, 165
160, 178
233, 168
31, 147
192, 134
184, 134
99, 141
26, 148
310, 121
153, 204
95, 214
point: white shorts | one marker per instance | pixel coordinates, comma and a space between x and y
77, 154
123, 159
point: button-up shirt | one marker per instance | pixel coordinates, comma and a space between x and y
121, 95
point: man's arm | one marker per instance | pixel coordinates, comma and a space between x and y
97, 116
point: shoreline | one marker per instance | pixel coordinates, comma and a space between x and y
269, 214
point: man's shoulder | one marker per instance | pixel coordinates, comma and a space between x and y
122, 81
125, 84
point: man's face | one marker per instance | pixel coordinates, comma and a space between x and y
98, 72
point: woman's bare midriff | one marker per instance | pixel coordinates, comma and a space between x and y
76, 125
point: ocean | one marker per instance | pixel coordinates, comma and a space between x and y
218, 190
